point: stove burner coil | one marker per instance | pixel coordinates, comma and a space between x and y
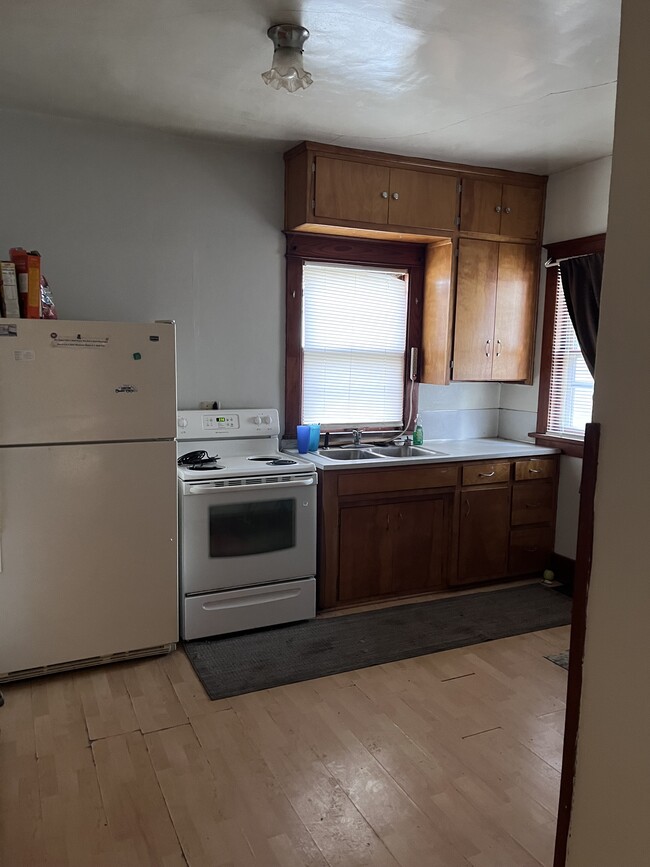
280, 462
196, 458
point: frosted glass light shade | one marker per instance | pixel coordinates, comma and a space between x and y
287, 69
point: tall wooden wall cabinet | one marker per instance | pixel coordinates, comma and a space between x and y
481, 229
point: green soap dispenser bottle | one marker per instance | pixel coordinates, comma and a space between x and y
418, 433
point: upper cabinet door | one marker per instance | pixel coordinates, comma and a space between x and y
480, 206
422, 199
351, 191
521, 212
475, 305
509, 210
514, 328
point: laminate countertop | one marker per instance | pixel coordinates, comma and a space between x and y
441, 451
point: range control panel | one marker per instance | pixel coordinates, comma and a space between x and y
227, 423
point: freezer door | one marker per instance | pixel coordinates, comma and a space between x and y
88, 552
66, 381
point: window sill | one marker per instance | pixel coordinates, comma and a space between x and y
573, 448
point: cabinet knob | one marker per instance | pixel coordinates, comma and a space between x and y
506, 210
384, 194
498, 209
395, 196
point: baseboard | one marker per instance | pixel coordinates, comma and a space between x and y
564, 568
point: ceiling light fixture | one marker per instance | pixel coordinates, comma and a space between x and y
287, 70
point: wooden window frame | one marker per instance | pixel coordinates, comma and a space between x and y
303, 247
559, 250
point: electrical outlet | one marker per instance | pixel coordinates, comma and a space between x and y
209, 404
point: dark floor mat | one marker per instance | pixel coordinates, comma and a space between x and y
246, 662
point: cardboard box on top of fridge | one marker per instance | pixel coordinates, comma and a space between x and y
28, 273
9, 306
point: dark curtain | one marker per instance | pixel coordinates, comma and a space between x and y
581, 281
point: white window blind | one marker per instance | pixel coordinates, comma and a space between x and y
354, 343
572, 386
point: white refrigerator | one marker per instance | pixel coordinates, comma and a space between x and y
88, 526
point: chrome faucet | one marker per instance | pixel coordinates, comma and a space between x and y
356, 436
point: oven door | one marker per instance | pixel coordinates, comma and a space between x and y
242, 532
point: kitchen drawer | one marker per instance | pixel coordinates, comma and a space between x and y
398, 479
532, 503
530, 550
486, 474
534, 469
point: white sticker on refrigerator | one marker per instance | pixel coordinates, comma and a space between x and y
24, 355
78, 340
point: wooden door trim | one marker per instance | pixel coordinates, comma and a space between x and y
577, 644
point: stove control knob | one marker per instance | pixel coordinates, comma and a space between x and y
182, 421
266, 419
257, 420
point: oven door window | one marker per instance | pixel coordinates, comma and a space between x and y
239, 530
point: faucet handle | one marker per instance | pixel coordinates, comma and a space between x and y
356, 436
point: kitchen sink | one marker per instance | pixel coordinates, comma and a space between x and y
405, 451
348, 455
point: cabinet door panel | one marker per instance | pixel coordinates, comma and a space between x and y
475, 307
426, 200
392, 548
516, 305
418, 546
484, 534
351, 191
480, 206
521, 212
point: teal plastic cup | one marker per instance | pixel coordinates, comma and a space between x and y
314, 437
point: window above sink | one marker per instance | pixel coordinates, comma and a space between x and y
353, 314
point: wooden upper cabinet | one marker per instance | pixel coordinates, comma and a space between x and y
345, 190
496, 303
494, 208
515, 312
422, 199
358, 192
476, 290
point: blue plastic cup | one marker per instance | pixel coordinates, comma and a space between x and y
314, 437
302, 435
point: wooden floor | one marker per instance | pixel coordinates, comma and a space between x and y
446, 760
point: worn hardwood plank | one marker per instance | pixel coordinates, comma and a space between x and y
155, 703
135, 809
107, 705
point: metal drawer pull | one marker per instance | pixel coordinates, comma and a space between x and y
533, 505
467, 508
532, 470
486, 475
531, 550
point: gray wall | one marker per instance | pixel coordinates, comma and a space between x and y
135, 226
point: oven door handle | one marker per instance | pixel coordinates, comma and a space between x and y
211, 488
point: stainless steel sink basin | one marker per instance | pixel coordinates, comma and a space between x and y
405, 451
348, 455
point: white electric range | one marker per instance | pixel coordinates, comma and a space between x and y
247, 515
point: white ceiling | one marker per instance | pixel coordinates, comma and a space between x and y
519, 84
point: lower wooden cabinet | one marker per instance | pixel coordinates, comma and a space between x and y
484, 534
417, 529
390, 549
